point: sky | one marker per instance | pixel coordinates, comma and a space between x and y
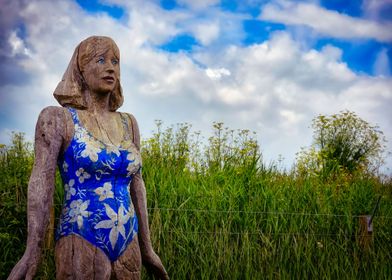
267, 66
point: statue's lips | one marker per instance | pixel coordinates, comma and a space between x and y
108, 79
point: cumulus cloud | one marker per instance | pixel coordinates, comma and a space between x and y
377, 9
198, 5
216, 74
281, 88
17, 45
325, 22
274, 88
9, 20
381, 65
206, 32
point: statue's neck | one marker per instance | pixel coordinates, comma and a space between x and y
98, 103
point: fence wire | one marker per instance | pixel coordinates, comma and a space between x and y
179, 209
259, 232
260, 212
262, 234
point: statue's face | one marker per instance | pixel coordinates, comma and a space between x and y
102, 72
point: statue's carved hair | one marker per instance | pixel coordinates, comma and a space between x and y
69, 92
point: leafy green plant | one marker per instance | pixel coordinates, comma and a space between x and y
15, 167
343, 143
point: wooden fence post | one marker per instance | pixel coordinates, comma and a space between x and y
365, 239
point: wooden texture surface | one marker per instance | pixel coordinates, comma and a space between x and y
86, 86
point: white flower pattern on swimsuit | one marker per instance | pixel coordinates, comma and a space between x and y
82, 175
113, 149
69, 190
79, 133
97, 205
91, 147
65, 166
105, 191
78, 210
91, 151
134, 161
115, 223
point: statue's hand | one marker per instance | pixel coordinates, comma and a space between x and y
154, 264
26, 267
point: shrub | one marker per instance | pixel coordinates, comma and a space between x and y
342, 143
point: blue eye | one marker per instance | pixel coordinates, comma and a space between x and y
101, 60
114, 61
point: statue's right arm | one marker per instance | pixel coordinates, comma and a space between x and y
50, 136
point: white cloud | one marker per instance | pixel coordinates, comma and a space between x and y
199, 4
17, 45
153, 25
206, 32
374, 8
217, 74
381, 65
331, 52
274, 88
326, 22
281, 88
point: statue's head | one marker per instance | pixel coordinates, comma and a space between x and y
78, 77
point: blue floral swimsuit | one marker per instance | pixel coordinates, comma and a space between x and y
97, 203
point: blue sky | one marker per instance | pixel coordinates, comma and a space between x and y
360, 54
267, 66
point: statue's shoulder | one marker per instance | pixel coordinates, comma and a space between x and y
55, 116
126, 113
54, 113
133, 122
129, 115
135, 128
53, 110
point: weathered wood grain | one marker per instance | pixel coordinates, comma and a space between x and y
82, 88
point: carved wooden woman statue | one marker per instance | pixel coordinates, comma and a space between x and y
103, 231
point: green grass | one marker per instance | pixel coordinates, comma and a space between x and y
216, 211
